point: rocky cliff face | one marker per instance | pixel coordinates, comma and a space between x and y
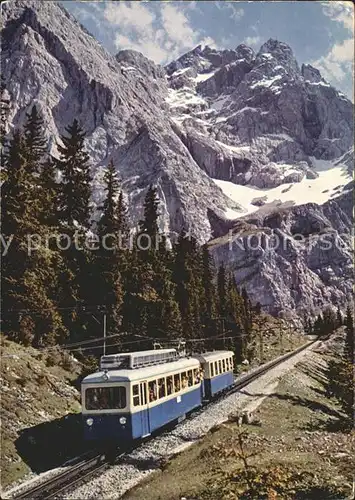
49, 60
295, 259
224, 134
261, 103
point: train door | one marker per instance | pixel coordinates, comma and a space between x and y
145, 412
202, 380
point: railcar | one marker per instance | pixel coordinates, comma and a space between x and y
126, 404
217, 371
134, 394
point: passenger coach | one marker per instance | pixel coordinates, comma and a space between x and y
217, 371
124, 404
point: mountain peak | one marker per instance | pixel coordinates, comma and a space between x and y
245, 52
134, 59
281, 52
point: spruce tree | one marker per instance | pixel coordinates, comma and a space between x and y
222, 291
208, 306
15, 190
149, 224
28, 274
48, 194
74, 211
122, 221
35, 141
75, 186
108, 223
188, 280
108, 261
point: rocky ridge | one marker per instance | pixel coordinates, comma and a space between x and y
252, 120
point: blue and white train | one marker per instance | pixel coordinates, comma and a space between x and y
134, 394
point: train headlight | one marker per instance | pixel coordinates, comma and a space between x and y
123, 420
89, 421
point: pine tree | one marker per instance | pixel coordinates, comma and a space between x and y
75, 186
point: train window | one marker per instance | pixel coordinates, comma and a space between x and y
177, 384
196, 376
184, 382
220, 366
135, 391
190, 379
211, 369
105, 398
223, 365
215, 368
161, 388
152, 389
169, 385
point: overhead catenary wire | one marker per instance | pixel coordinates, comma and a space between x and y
86, 342
80, 308
77, 346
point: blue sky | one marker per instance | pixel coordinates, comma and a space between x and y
320, 33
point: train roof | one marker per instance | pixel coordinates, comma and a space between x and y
141, 373
214, 356
137, 359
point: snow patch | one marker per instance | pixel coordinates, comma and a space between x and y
234, 149
203, 76
180, 71
317, 190
266, 83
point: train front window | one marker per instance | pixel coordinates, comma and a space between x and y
105, 398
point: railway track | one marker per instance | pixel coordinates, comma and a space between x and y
90, 467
